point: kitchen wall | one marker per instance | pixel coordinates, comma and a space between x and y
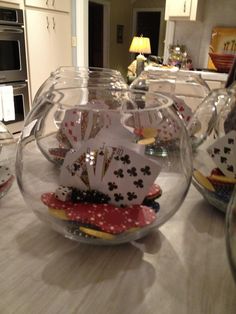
197, 35
120, 14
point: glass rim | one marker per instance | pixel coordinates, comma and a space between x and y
165, 101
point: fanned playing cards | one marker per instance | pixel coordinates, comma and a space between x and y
119, 172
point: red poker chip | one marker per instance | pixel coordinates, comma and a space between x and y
107, 217
154, 191
7, 184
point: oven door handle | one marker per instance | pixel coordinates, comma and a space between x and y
18, 86
11, 30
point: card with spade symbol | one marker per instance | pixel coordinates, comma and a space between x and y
223, 152
128, 177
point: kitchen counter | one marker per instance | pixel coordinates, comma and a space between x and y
213, 76
181, 268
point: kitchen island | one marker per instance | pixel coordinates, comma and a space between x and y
181, 268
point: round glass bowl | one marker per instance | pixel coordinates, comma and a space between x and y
231, 233
6, 152
117, 166
214, 159
192, 99
185, 85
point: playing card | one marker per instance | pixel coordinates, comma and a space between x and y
184, 111
168, 129
81, 125
128, 177
86, 124
223, 152
74, 171
71, 126
99, 161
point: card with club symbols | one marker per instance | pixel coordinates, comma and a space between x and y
128, 177
119, 172
223, 153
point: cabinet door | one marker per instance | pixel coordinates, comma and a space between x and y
39, 30
60, 5
61, 39
189, 10
45, 4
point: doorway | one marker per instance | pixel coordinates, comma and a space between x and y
150, 23
98, 33
95, 34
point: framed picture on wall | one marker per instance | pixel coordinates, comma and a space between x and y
223, 41
119, 33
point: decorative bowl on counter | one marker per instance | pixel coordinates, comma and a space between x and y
117, 165
6, 174
214, 159
231, 233
222, 62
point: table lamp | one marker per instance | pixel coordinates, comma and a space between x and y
140, 45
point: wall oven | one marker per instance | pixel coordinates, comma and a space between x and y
13, 69
21, 105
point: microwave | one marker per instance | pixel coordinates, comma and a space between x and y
12, 46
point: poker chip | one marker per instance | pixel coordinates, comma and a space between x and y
154, 191
203, 181
5, 175
97, 233
6, 186
58, 213
149, 132
222, 179
223, 190
147, 141
107, 217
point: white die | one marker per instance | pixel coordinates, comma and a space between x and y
63, 193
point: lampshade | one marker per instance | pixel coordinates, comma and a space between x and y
140, 45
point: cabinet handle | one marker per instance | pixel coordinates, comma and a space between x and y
53, 23
47, 22
46, 2
53, 2
184, 6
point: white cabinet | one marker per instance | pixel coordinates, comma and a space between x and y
59, 5
9, 3
49, 44
183, 10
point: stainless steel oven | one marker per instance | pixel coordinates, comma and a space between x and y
12, 46
21, 104
13, 69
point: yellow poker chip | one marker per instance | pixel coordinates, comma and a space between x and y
147, 141
58, 213
149, 132
97, 233
222, 179
203, 181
